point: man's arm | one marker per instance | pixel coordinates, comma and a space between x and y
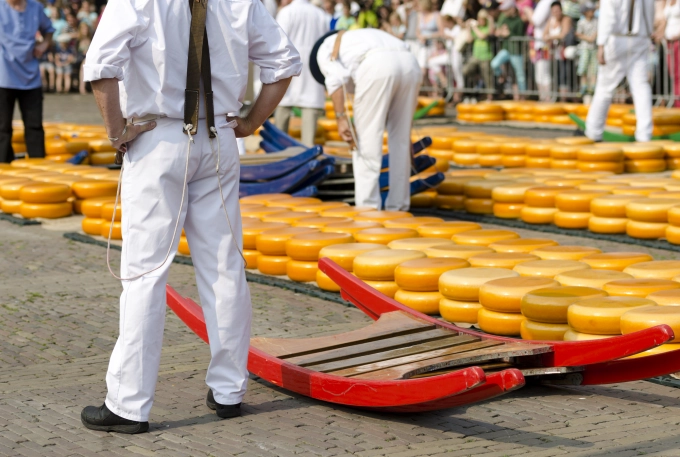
267, 101
338, 99
41, 48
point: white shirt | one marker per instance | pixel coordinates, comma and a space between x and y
672, 15
354, 46
144, 44
304, 24
271, 6
540, 18
614, 17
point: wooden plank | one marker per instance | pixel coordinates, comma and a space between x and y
488, 368
393, 353
388, 325
387, 364
371, 347
460, 359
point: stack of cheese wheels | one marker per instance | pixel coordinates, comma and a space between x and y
447, 250
615, 260
669, 297
590, 278
564, 156
565, 252
601, 315
538, 154
419, 244
303, 251
411, 222
451, 192
646, 317
658, 269
376, 268
648, 217
111, 212
271, 244
47, 200
478, 195
483, 237
350, 227
673, 229
91, 208
425, 199
672, 150
638, 287
380, 216
548, 268
609, 213
540, 204
546, 310
384, 235
502, 299
445, 230
60, 150
644, 158
574, 208
465, 151
509, 200
250, 231
460, 289
10, 189
500, 259
343, 255
597, 158
418, 282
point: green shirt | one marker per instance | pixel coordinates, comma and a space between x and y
516, 27
481, 50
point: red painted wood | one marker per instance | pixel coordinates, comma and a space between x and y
188, 311
632, 369
565, 353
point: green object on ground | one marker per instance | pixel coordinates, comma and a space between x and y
297, 112
606, 136
422, 112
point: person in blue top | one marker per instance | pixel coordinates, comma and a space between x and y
20, 21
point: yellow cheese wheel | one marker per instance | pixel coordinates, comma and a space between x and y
539, 149
325, 282
319, 222
446, 230
538, 162
673, 164
454, 185
422, 275
449, 201
646, 230
599, 186
388, 288
645, 166
425, 302
534, 215
602, 315
345, 211
81, 170
550, 305
349, 227
344, 254
543, 197
92, 226
465, 146
379, 265
46, 210
563, 165
478, 205
670, 297
483, 188
607, 224
419, 244
615, 260
548, 268
263, 199
487, 147
645, 191
646, 317
287, 216
383, 235
113, 229
252, 229
672, 149
319, 207
540, 331
611, 206
599, 154
183, 247
302, 271
491, 160
501, 259
673, 214
11, 189
576, 201
511, 193
101, 145
380, 216
43, 192
411, 222
10, 206
273, 242
642, 151
274, 265
306, 246
292, 202
92, 207
456, 251
563, 182
573, 140
572, 220
590, 278
505, 295
504, 324
565, 252
657, 269
564, 152
465, 159
107, 211
514, 161
573, 335
463, 284
513, 147
424, 199
638, 287
673, 234
522, 244
103, 158
650, 209
508, 210
483, 237
654, 351
94, 188
251, 257
666, 194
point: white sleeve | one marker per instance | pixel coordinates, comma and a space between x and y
605, 22
110, 49
269, 47
541, 13
335, 73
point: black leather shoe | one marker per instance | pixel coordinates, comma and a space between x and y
223, 411
103, 420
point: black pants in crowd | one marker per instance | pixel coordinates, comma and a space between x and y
31, 106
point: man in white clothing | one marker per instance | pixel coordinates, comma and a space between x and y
624, 32
159, 102
386, 78
304, 23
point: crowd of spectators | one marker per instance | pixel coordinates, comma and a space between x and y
499, 47
74, 24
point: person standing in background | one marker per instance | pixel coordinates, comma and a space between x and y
304, 24
540, 57
586, 31
670, 31
480, 63
20, 79
510, 26
429, 28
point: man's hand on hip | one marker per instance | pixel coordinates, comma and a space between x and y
131, 132
244, 126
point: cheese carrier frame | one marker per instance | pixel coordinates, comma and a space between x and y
407, 361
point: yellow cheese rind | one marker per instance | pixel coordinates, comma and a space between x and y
302, 270
602, 315
455, 250
459, 311
669, 297
638, 287
608, 224
650, 316
572, 220
46, 210
251, 256
418, 244
325, 282
501, 259
504, 324
273, 242
534, 215
522, 244
615, 260
287, 216
422, 275
508, 210
412, 222
590, 278
306, 246
252, 229
384, 235
379, 265
658, 269
319, 222
505, 295
565, 252
446, 229
351, 227
483, 237
549, 305
425, 302
611, 205
272, 265
380, 216
463, 284
576, 201
646, 230
650, 209
92, 226
543, 197
388, 288
540, 331
548, 268
573, 335
344, 254
42, 192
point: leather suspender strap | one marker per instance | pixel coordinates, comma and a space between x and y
630, 17
198, 68
336, 47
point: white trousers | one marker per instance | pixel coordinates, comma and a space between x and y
387, 85
624, 57
151, 194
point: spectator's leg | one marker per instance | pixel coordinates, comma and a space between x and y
31, 106
43, 76
310, 117
501, 58
282, 117
67, 80
674, 69
81, 80
50, 74
485, 68
60, 80
457, 69
7, 100
517, 62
